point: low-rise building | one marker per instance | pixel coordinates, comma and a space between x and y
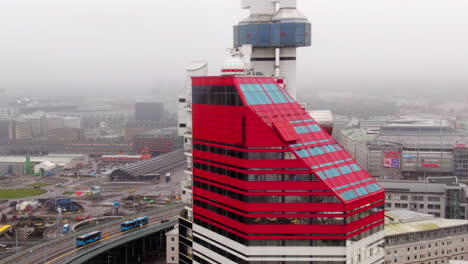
16, 164
412, 237
441, 197
410, 149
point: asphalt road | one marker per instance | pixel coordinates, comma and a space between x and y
64, 250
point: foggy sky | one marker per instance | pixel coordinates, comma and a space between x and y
126, 45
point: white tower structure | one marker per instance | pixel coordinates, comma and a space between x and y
275, 29
194, 69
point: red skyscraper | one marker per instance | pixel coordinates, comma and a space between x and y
270, 185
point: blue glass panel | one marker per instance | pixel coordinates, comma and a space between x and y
345, 169
295, 122
311, 143
321, 175
301, 129
314, 128
342, 187
309, 120
254, 94
361, 191
355, 167
373, 187
339, 161
332, 173
326, 164
302, 153
289, 97
316, 151
324, 140
284, 34
329, 148
275, 94
349, 195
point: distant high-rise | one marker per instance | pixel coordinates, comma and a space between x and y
149, 111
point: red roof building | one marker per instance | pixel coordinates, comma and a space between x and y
270, 185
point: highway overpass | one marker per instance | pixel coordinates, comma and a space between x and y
124, 247
63, 250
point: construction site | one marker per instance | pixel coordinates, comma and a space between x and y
39, 206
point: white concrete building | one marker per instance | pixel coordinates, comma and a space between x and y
412, 237
72, 122
44, 167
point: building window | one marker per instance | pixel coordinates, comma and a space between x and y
182, 125
401, 197
417, 198
172, 249
181, 100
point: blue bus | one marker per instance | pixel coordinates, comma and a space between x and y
66, 228
86, 239
138, 222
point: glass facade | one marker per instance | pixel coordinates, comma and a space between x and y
216, 95
273, 35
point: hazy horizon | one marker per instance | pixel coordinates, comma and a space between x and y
125, 46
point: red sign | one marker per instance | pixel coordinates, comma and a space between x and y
392, 155
430, 165
461, 146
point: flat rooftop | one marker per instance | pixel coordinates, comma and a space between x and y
409, 222
360, 134
59, 159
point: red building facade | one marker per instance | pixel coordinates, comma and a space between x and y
266, 176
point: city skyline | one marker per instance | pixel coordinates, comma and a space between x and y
127, 47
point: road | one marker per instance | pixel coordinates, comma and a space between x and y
62, 249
